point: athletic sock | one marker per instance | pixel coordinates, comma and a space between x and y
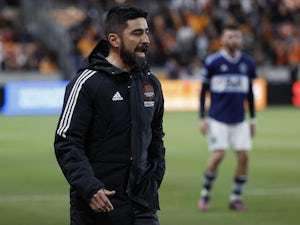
238, 186
208, 179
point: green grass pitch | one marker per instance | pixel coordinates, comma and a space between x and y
34, 192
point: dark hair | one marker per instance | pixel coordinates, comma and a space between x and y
117, 17
230, 26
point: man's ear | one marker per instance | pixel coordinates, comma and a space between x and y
114, 40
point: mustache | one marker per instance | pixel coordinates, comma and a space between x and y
142, 48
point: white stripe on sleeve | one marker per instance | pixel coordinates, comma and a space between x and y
71, 102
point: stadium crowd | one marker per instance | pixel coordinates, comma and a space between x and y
183, 32
19, 49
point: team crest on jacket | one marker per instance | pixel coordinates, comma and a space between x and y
148, 95
148, 91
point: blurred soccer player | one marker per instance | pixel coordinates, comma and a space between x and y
228, 76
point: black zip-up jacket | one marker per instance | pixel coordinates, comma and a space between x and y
110, 133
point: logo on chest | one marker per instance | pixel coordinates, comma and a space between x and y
148, 95
117, 97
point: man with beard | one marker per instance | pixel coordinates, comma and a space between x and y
228, 75
109, 137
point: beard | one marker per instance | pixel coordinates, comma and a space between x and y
234, 46
130, 59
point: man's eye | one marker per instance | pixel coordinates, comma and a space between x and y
137, 33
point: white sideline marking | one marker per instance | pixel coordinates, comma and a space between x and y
33, 198
279, 191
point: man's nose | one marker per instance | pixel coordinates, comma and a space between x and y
145, 39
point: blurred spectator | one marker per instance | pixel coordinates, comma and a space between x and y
88, 41
47, 65
182, 32
18, 49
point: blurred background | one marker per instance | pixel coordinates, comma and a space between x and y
42, 43
47, 39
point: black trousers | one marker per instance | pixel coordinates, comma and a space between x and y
142, 216
125, 214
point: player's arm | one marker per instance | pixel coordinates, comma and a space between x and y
203, 122
251, 109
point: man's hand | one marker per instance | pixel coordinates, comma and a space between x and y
100, 201
203, 126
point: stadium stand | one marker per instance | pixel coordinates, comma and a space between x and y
53, 36
182, 31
